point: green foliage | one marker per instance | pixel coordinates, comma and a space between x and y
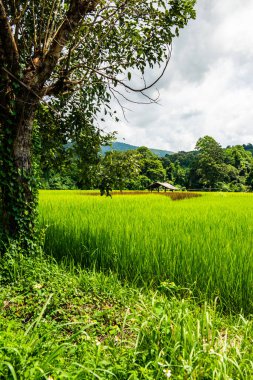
178, 166
132, 169
249, 180
184, 158
240, 159
151, 166
248, 148
176, 174
71, 148
61, 324
19, 192
84, 167
214, 164
58, 181
211, 166
116, 169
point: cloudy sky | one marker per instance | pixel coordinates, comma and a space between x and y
208, 86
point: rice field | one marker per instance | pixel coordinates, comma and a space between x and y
204, 244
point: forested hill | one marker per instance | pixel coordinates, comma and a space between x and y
122, 147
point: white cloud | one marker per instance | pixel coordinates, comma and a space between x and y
208, 88
235, 29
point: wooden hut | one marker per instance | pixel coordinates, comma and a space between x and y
165, 185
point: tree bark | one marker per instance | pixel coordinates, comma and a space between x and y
18, 180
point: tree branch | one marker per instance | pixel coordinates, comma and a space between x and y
147, 87
11, 56
61, 86
77, 10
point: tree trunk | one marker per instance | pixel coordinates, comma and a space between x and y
18, 180
21, 89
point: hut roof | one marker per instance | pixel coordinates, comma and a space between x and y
163, 184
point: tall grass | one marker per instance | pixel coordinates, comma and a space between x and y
203, 243
56, 324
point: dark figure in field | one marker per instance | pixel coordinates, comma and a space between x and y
106, 189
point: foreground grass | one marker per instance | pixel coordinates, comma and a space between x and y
57, 323
203, 243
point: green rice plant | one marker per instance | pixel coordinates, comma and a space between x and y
203, 243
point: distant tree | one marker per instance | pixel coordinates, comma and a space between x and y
249, 180
177, 174
209, 165
185, 159
248, 148
133, 169
116, 169
208, 147
151, 168
241, 159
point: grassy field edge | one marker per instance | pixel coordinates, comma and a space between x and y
63, 323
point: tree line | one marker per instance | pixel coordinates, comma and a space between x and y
208, 167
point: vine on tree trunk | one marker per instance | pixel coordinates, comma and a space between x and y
19, 193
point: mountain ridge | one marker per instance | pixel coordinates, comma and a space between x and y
122, 147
